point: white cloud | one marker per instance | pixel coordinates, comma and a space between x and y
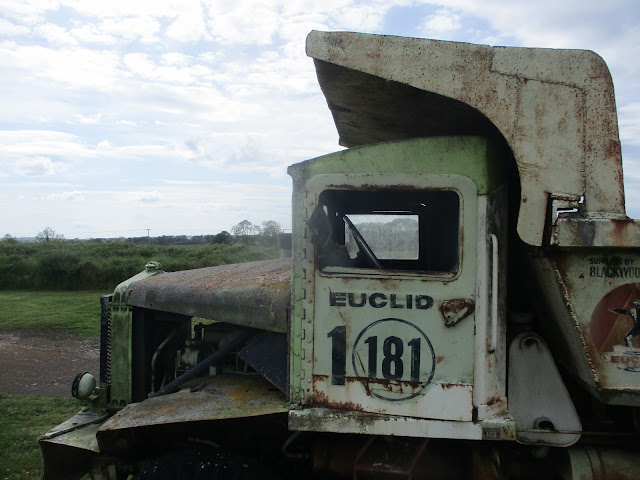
75, 67
189, 26
35, 166
147, 197
27, 10
629, 120
74, 196
179, 59
140, 64
92, 33
55, 34
89, 119
103, 146
126, 8
144, 28
8, 28
361, 17
41, 144
441, 24
243, 22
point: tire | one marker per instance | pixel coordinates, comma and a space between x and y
202, 465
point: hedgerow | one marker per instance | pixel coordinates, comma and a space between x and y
103, 265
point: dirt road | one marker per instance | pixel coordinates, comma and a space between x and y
45, 362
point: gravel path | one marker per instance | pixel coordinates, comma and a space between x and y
45, 362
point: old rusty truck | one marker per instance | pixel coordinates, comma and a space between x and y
462, 300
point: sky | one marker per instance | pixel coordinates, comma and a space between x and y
181, 117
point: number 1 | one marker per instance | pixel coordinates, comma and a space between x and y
338, 338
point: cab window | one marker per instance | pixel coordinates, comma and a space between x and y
387, 229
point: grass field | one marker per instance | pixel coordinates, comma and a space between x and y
74, 312
24, 419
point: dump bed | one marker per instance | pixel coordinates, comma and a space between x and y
554, 108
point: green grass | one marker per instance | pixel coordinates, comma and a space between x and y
24, 419
73, 312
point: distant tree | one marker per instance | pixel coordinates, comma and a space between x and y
8, 238
49, 235
269, 233
223, 237
244, 230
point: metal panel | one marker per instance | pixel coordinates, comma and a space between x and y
490, 361
329, 420
212, 398
538, 399
254, 294
585, 333
442, 385
105, 340
555, 109
268, 356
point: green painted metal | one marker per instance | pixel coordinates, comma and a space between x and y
253, 294
475, 157
121, 337
434, 161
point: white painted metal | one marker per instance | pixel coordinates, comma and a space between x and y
493, 343
329, 420
538, 399
555, 108
446, 392
489, 395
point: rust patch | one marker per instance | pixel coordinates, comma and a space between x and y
405, 387
255, 294
619, 232
456, 309
214, 398
439, 358
322, 400
447, 386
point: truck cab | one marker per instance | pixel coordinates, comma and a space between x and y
399, 245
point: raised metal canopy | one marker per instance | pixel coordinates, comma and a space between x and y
555, 109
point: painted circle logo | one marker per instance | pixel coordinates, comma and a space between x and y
394, 359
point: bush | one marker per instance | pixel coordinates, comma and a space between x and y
57, 270
102, 265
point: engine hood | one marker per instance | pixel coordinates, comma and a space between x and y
255, 294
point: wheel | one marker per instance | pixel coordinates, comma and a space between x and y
201, 465
362, 244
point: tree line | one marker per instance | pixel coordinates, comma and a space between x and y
55, 263
244, 231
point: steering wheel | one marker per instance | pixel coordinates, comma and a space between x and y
362, 245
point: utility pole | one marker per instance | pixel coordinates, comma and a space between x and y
148, 237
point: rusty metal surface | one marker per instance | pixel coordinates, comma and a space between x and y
583, 288
78, 431
572, 231
69, 448
555, 108
456, 309
604, 463
346, 421
213, 398
441, 459
254, 294
538, 399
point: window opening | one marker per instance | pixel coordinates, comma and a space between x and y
387, 229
